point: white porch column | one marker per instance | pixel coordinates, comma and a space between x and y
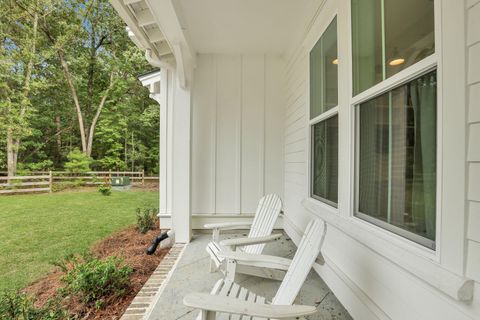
160, 91
175, 146
181, 150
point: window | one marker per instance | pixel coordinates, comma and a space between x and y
397, 159
323, 117
324, 73
325, 160
396, 140
387, 37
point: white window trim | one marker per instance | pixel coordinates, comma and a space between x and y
430, 63
357, 214
325, 203
443, 269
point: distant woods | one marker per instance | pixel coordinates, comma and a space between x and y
68, 84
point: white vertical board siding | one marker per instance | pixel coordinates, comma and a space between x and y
229, 110
253, 131
272, 153
473, 125
237, 151
204, 135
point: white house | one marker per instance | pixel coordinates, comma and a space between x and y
364, 113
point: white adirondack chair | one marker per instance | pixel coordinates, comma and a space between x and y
267, 213
228, 300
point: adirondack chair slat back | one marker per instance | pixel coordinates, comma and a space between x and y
267, 213
307, 252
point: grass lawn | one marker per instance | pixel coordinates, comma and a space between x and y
36, 230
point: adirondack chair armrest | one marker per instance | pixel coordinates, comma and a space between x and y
205, 301
257, 259
250, 241
228, 225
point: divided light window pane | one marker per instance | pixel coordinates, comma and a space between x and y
389, 36
397, 160
325, 160
323, 72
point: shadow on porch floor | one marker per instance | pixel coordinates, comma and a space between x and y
191, 274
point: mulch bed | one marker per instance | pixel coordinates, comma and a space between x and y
128, 244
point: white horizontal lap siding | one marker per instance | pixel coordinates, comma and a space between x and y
473, 125
296, 138
369, 284
237, 152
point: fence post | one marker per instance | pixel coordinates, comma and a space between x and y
143, 178
50, 180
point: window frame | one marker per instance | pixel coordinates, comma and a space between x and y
332, 112
426, 246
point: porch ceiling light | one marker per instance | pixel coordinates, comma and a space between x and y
396, 62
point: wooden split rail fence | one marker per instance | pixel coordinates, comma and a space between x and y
25, 184
42, 181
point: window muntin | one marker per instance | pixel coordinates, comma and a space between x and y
324, 178
324, 126
396, 149
324, 73
387, 37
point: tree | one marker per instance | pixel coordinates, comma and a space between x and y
77, 162
83, 91
18, 33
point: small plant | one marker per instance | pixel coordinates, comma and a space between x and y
105, 189
146, 219
95, 280
20, 306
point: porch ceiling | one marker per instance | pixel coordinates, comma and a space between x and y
242, 26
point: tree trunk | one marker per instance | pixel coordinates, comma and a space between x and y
73, 91
97, 115
11, 159
59, 140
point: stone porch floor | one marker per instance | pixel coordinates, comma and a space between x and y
191, 274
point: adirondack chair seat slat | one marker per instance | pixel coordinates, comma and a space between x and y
229, 297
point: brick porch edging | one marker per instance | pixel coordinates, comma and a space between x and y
146, 296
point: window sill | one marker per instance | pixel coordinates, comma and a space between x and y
411, 257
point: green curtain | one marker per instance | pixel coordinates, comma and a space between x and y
423, 93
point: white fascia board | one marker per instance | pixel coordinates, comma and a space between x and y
142, 40
167, 19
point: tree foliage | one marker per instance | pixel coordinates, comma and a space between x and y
68, 81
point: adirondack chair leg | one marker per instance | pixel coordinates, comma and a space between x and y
213, 266
208, 315
230, 270
216, 235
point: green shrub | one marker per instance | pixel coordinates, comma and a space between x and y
105, 189
19, 306
43, 165
146, 219
78, 162
94, 280
60, 186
